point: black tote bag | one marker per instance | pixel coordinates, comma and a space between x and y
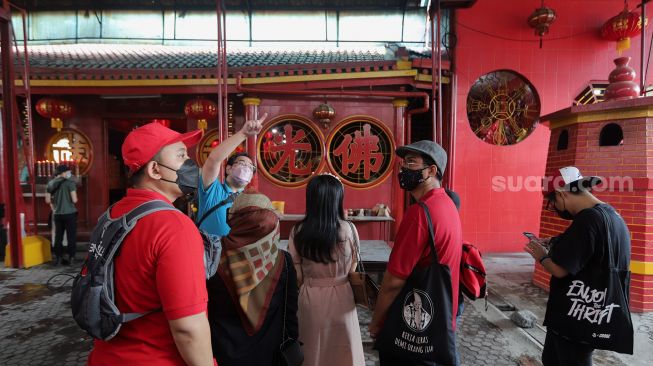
595, 310
419, 322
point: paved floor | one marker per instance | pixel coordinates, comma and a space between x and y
36, 327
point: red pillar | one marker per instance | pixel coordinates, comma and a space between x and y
251, 112
8, 152
398, 194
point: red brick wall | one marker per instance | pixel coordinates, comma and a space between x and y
632, 159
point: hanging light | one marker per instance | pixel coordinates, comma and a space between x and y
324, 113
56, 110
201, 110
622, 27
541, 19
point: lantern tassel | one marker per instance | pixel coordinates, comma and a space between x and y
623, 44
202, 124
56, 123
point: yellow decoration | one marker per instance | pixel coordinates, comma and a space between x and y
643, 268
623, 44
36, 250
56, 123
202, 124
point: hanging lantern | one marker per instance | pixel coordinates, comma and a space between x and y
201, 110
324, 113
56, 110
162, 122
623, 26
541, 19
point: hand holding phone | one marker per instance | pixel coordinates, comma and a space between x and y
545, 243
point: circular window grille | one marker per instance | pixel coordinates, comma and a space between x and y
361, 151
71, 144
290, 150
503, 107
209, 141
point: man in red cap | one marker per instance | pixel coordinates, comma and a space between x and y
160, 265
580, 261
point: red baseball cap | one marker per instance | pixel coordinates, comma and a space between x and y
568, 179
143, 143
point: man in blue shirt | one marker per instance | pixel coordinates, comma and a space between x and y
239, 172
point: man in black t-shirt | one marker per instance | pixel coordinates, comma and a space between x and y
576, 257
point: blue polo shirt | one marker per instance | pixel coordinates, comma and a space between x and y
216, 223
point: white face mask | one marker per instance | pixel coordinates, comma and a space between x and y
68, 174
241, 174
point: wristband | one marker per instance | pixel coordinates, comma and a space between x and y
543, 259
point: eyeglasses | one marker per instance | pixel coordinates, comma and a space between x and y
245, 164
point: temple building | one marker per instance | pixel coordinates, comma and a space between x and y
512, 89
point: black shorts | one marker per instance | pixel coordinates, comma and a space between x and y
559, 351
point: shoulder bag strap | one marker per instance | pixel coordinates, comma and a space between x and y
357, 247
230, 198
608, 237
431, 235
285, 299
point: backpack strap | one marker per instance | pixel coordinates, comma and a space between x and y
145, 209
230, 199
128, 222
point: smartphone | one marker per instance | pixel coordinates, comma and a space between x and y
532, 236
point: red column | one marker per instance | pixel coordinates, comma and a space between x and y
251, 112
8, 153
398, 194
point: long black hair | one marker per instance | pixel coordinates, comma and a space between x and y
316, 236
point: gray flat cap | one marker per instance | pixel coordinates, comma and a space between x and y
426, 148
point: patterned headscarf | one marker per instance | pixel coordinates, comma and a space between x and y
251, 265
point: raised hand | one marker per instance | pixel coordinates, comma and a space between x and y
253, 127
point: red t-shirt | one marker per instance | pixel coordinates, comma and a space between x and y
160, 266
412, 248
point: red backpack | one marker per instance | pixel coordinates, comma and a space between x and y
472, 272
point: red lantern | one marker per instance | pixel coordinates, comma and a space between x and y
56, 110
162, 122
324, 113
541, 19
201, 110
623, 26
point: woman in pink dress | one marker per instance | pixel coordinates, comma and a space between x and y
323, 248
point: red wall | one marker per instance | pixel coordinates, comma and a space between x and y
559, 71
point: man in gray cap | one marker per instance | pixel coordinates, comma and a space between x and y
422, 168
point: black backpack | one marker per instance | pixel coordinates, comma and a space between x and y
93, 295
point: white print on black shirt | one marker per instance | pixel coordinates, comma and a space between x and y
588, 304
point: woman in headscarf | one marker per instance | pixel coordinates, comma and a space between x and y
255, 280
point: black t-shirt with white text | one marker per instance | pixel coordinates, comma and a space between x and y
582, 251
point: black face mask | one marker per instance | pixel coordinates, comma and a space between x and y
564, 214
187, 177
410, 179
